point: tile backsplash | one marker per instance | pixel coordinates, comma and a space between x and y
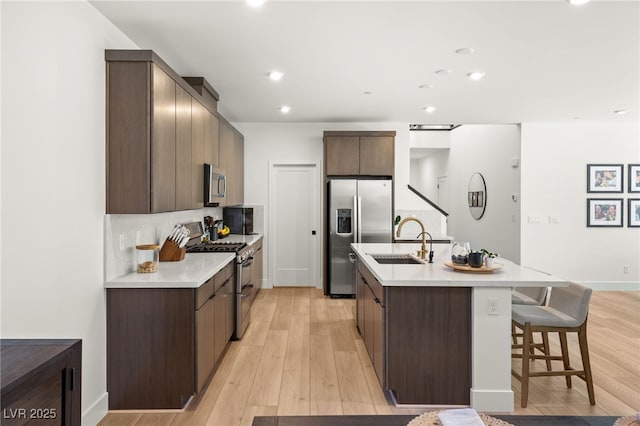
141, 229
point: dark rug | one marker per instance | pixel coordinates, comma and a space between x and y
402, 420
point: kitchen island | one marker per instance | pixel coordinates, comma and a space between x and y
438, 336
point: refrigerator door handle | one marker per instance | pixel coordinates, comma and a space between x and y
359, 213
356, 220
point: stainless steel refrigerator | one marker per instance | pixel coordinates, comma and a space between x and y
359, 212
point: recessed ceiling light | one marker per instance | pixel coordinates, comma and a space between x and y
367, 92
425, 86
465, 51
620, 111
475, 75
255, 3
285, 109
443, 71
429, 109
577, 2
276, 75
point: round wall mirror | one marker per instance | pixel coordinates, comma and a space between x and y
477, 196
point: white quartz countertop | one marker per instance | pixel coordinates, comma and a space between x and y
192, 272
437, 274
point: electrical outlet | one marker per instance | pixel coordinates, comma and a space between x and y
534, 219
121, 242
625, 268
555, 220
492, 306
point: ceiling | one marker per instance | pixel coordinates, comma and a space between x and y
545, 61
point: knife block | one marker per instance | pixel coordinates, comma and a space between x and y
170, 252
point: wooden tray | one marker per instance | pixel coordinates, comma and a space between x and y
467, 268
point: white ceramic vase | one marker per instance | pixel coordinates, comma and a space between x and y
488, 262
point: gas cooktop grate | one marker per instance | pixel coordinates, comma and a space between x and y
217, 247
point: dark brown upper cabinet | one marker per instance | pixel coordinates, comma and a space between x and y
160, 132
184, 147
205, 147
232, 163
359, 153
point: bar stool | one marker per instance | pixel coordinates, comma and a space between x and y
529, 296
536, 296
566, 312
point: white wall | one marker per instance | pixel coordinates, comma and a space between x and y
53, 180
486, 149
431, 149
425, 172
267, 143
554, 159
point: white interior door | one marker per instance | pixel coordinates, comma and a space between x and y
293, 212
443, 193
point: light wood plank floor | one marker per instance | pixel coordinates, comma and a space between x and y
303, 356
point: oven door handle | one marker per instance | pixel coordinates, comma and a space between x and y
247, 262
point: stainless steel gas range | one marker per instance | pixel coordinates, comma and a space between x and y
243, 285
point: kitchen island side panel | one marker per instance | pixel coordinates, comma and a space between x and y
150, 348
428, 352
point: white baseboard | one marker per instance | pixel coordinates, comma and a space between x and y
612, 285
96, 412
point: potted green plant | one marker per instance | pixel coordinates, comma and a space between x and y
396, 221
488, 257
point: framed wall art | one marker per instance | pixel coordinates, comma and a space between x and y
633, 212
634, 178
605, 178
604, 212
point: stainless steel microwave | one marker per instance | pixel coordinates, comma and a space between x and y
215, 185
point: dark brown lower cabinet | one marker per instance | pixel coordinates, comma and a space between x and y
205, 342
370, 314
360, 300
228, 295
256, 268
219, 325
428, 344
41, 382
418, 339
163, 343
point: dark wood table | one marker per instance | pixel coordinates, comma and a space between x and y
41, 381
402, 420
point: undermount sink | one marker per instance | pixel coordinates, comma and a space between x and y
396, 259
